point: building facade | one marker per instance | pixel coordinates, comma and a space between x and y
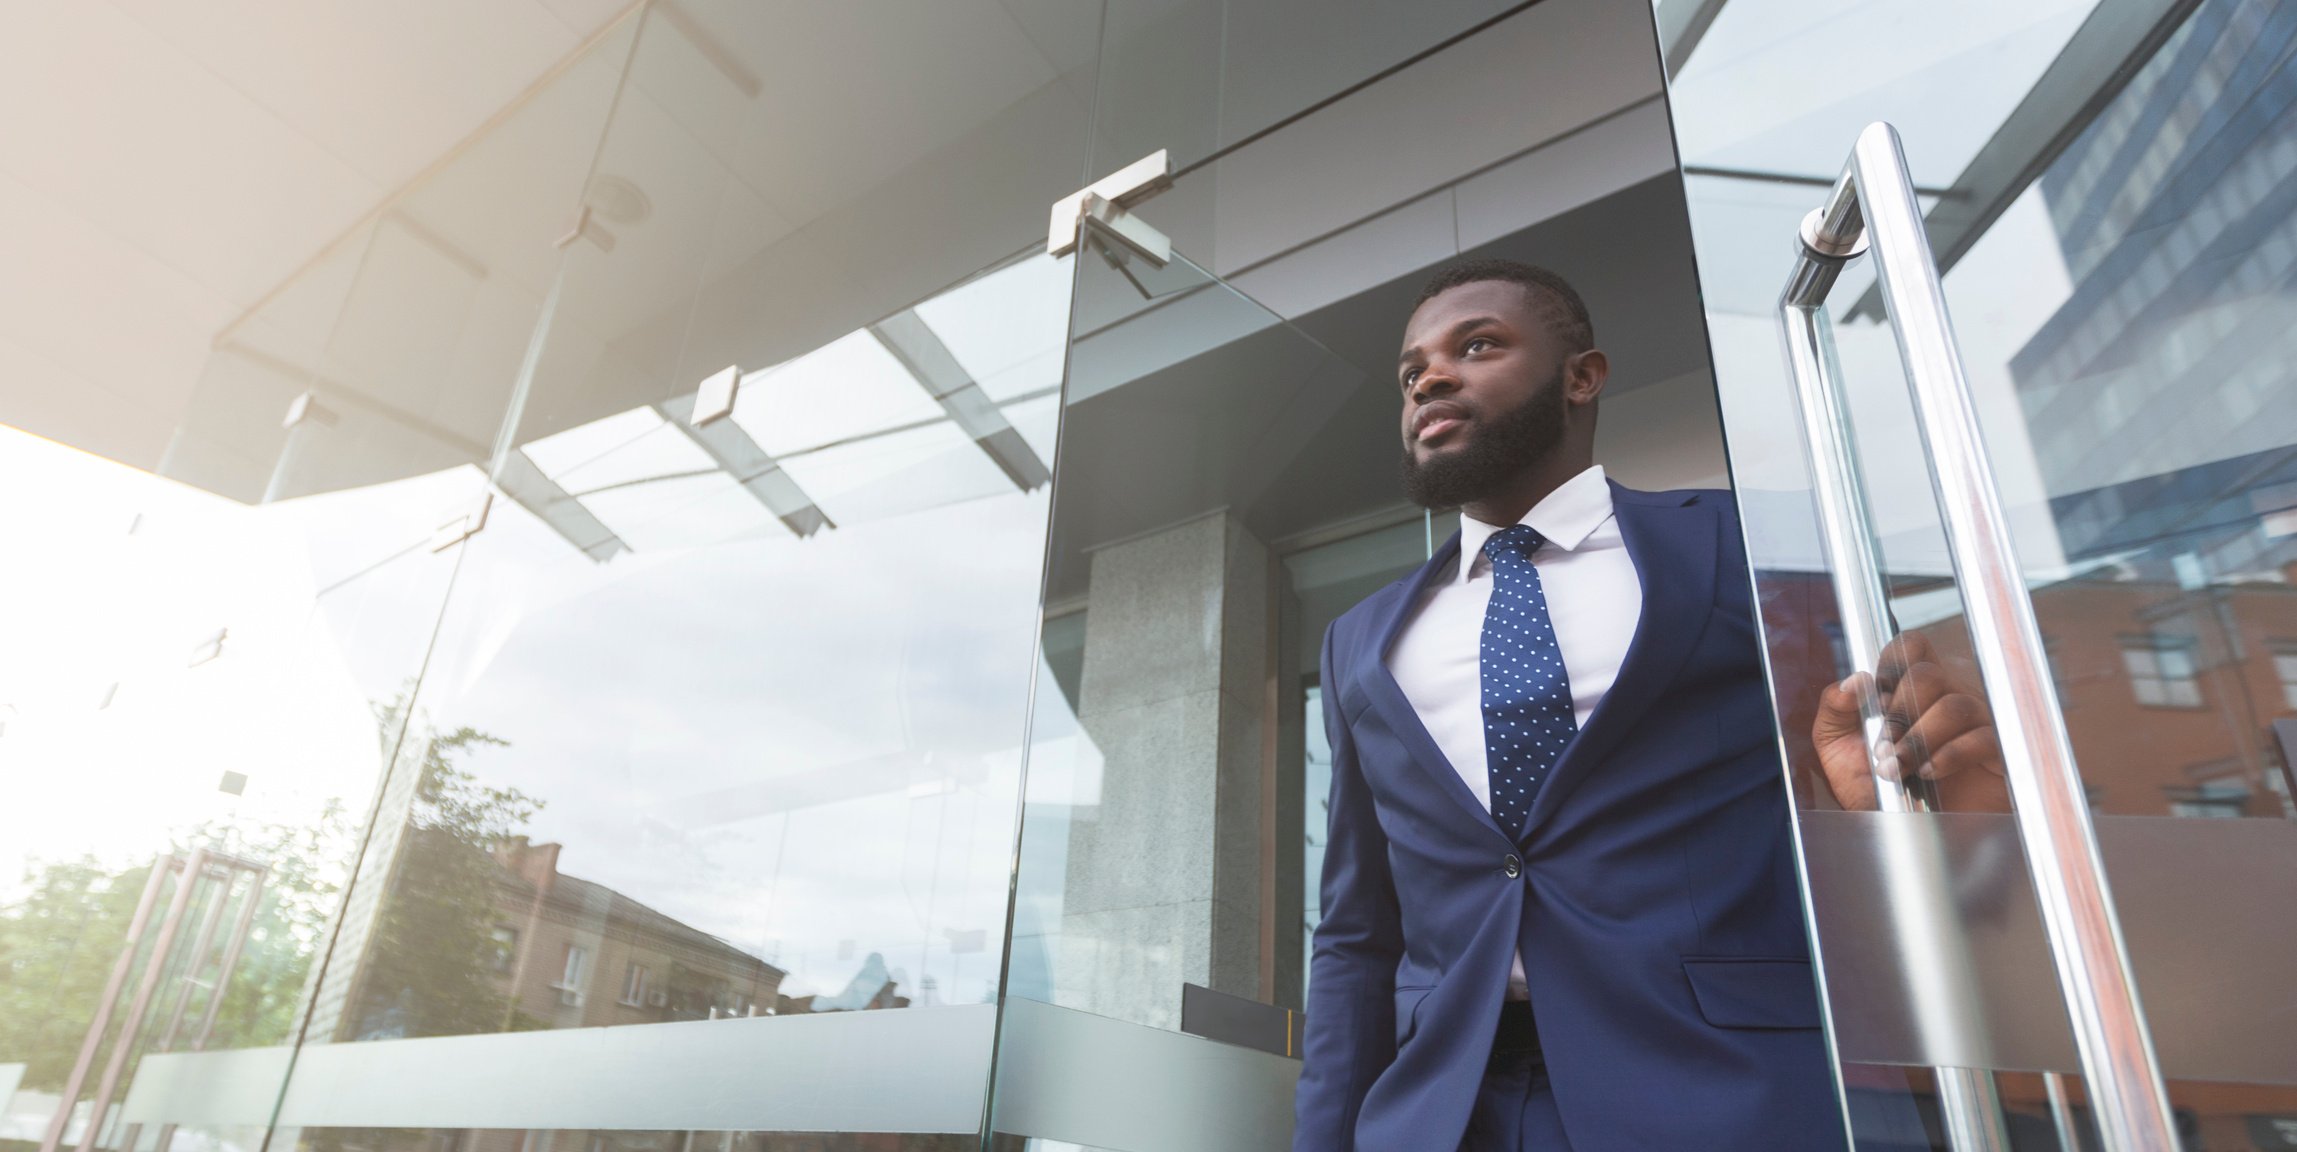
760, 590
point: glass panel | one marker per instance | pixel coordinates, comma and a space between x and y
1229, 487
202, 690
210, 670
1200, 76
1324, 581
717, 758
1275, 97
189, 679
1150, 865
1769, 79
2110, 195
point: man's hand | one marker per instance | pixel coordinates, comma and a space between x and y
1937, 724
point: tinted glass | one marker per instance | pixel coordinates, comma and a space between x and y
1201, 76
2104, 184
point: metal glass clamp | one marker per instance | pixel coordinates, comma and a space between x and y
1102, 206
465, 525
714, 399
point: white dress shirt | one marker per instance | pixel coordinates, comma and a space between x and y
1594, 598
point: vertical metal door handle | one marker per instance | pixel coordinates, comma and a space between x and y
1873, 205
102, 1021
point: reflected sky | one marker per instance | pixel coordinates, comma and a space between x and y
2000, 295
1785, 85
115, 741
806, 747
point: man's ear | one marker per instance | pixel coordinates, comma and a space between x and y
1584, 374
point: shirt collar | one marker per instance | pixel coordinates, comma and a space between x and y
1565, 519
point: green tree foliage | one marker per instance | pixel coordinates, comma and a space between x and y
428, 967
59, 943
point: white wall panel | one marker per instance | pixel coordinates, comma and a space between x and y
1558, 66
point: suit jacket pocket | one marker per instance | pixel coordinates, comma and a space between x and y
1408, 1010
1735, 992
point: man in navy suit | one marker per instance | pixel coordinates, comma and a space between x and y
1560, 905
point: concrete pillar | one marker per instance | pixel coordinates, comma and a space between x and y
1164, 884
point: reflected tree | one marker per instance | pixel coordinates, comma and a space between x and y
428, 968
432, 964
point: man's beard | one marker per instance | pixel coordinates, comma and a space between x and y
1494, 454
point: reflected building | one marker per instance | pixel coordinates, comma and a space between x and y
2158, 395
557, 951
2158, 392
2170, 693
577, 954
458, 924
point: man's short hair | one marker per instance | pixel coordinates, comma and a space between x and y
1553, 299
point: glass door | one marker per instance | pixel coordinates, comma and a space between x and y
1227, 486
1154, 972
2105, 187
215, 640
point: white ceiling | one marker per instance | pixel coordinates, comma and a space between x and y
205, 209
778, 149
163, 166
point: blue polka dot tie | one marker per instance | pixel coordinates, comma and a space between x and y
1527, 716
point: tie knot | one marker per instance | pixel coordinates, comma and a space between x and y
1513, 545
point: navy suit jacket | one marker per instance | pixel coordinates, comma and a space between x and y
1656, 903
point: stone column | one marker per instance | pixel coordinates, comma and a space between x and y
1163, 884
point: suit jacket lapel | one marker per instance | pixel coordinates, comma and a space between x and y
1387, 697
1673, 544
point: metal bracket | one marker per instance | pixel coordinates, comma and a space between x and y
585, 226
1130, 232
208, 649
714, 400
465, 526
1103, 205
1820, 241
304, 407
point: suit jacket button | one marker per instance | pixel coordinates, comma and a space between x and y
1513, 866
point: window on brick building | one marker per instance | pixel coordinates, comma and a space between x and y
2285, 666
505, 949
1839, 649
2056, 659
2162, 674
570, 979
635, 979
2221, 797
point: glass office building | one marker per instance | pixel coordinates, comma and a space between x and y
763, 593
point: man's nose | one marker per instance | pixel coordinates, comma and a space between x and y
1433, 381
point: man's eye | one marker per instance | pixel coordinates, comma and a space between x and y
1477, 345
1410, 376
